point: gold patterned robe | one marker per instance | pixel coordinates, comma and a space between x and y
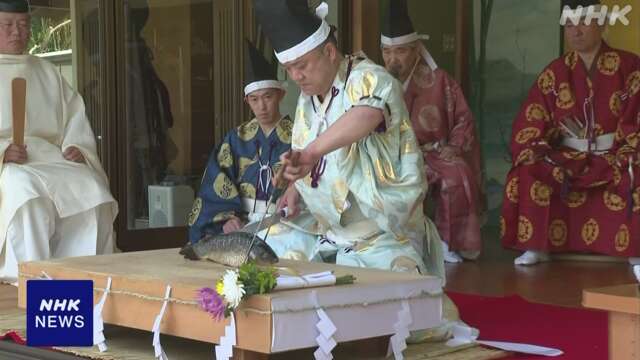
368, 199
559, 198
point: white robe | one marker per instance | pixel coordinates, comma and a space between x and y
55, 121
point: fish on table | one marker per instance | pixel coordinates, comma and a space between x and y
230, 249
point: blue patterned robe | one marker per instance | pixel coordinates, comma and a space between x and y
239, 168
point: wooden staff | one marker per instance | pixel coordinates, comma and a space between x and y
18, 104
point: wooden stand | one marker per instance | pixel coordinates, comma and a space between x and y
623, 305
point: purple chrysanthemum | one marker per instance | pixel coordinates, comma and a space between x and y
212, 303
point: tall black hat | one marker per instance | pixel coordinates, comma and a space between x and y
14, 6
397, 28
259, 73
292, 27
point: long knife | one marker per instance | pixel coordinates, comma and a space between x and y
256, 227
18, 104
280, 185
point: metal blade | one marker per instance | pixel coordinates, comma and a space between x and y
256, 227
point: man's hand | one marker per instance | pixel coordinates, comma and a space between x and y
290, 200
233, 224
16, 154
302, 164
73, 154
449, 153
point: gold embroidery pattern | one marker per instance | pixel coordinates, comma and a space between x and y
512, 190
547, 81
558, 233
410, 147
536, 112
525, 229
633, 83
622, 238
405, 126
247, 191
575, 199
339, 193
384, 171
503, 227
590, 231
574, 155
617, 176
224, 188
619, 133
608, 63
614, 202
248, 131
571, 59
540, 193
224, 156
526, 157
283, 130
300, 138
636, 200
195, 211
362, 88
527, 134
632, 139
611, 159
558, 174
615, 103
244, 164
565, 99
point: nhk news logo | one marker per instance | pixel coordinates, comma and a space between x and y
600, 13
60, 313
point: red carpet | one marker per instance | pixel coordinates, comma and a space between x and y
581, 334
14, 337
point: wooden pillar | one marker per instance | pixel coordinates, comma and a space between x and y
365, 17
463, 42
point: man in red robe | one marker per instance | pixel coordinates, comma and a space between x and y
574, 182
446, 132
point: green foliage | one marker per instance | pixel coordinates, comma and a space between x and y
345, 280
48, 35
256, 280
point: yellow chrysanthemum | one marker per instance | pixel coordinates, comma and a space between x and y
220, 287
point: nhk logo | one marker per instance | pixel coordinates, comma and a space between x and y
69, 308
60, 313
596, 12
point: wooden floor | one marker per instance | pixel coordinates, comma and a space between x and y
555, 283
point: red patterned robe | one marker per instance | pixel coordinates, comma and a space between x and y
440, 114
559, 199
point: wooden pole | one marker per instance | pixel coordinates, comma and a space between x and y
18, 103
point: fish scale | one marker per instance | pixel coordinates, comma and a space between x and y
230, 249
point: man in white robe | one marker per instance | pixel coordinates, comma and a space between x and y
54, 194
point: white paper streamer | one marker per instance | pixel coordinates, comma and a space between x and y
326, 329
224, 350
157, 347
98, 322
463, 334
522, 348
636, 272
398, 342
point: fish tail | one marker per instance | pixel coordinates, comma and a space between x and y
189, 252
